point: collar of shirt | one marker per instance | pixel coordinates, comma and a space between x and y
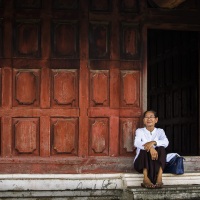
150, 132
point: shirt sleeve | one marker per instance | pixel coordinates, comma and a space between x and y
138, 139
162, 139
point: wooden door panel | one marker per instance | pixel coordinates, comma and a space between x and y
27, 38
27, 90
99, 137
99, 88
130, 87
25, 136
64, 136
65, 39
128, 127
99, 40
64, 91
128, 95
130, 39
100, 113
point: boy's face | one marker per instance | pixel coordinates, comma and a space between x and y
150, 120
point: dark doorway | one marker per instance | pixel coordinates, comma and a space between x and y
173, 87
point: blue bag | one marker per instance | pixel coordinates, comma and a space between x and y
175, 165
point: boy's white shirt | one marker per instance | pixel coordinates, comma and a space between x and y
142, 136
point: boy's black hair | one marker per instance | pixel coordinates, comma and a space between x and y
153, 111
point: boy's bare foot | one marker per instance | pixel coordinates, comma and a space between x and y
147, 183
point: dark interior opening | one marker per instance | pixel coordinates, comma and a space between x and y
173, 85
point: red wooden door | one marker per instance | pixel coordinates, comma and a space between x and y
70, 92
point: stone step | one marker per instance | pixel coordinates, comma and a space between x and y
86, 181
185, 186
96, 187
134, 180
174, 192
62, 195
134, 193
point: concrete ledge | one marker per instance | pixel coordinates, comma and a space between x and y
133, 180
68, 194
54, 182
192, 163
168, 192
46, 182
122, 186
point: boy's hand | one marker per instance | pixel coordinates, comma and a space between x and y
154, 154
148, 145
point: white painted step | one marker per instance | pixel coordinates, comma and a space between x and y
46, 182
60, 182
133, 180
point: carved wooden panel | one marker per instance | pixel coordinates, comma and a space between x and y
1, 39
99, 88
26, 136
129, 41
64, 90
130, 87
99, 136
127, 134
33, 4
129, 6
27, 38
99, 40
27, 90
103, 5
64, 136
65, 39
63, 4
